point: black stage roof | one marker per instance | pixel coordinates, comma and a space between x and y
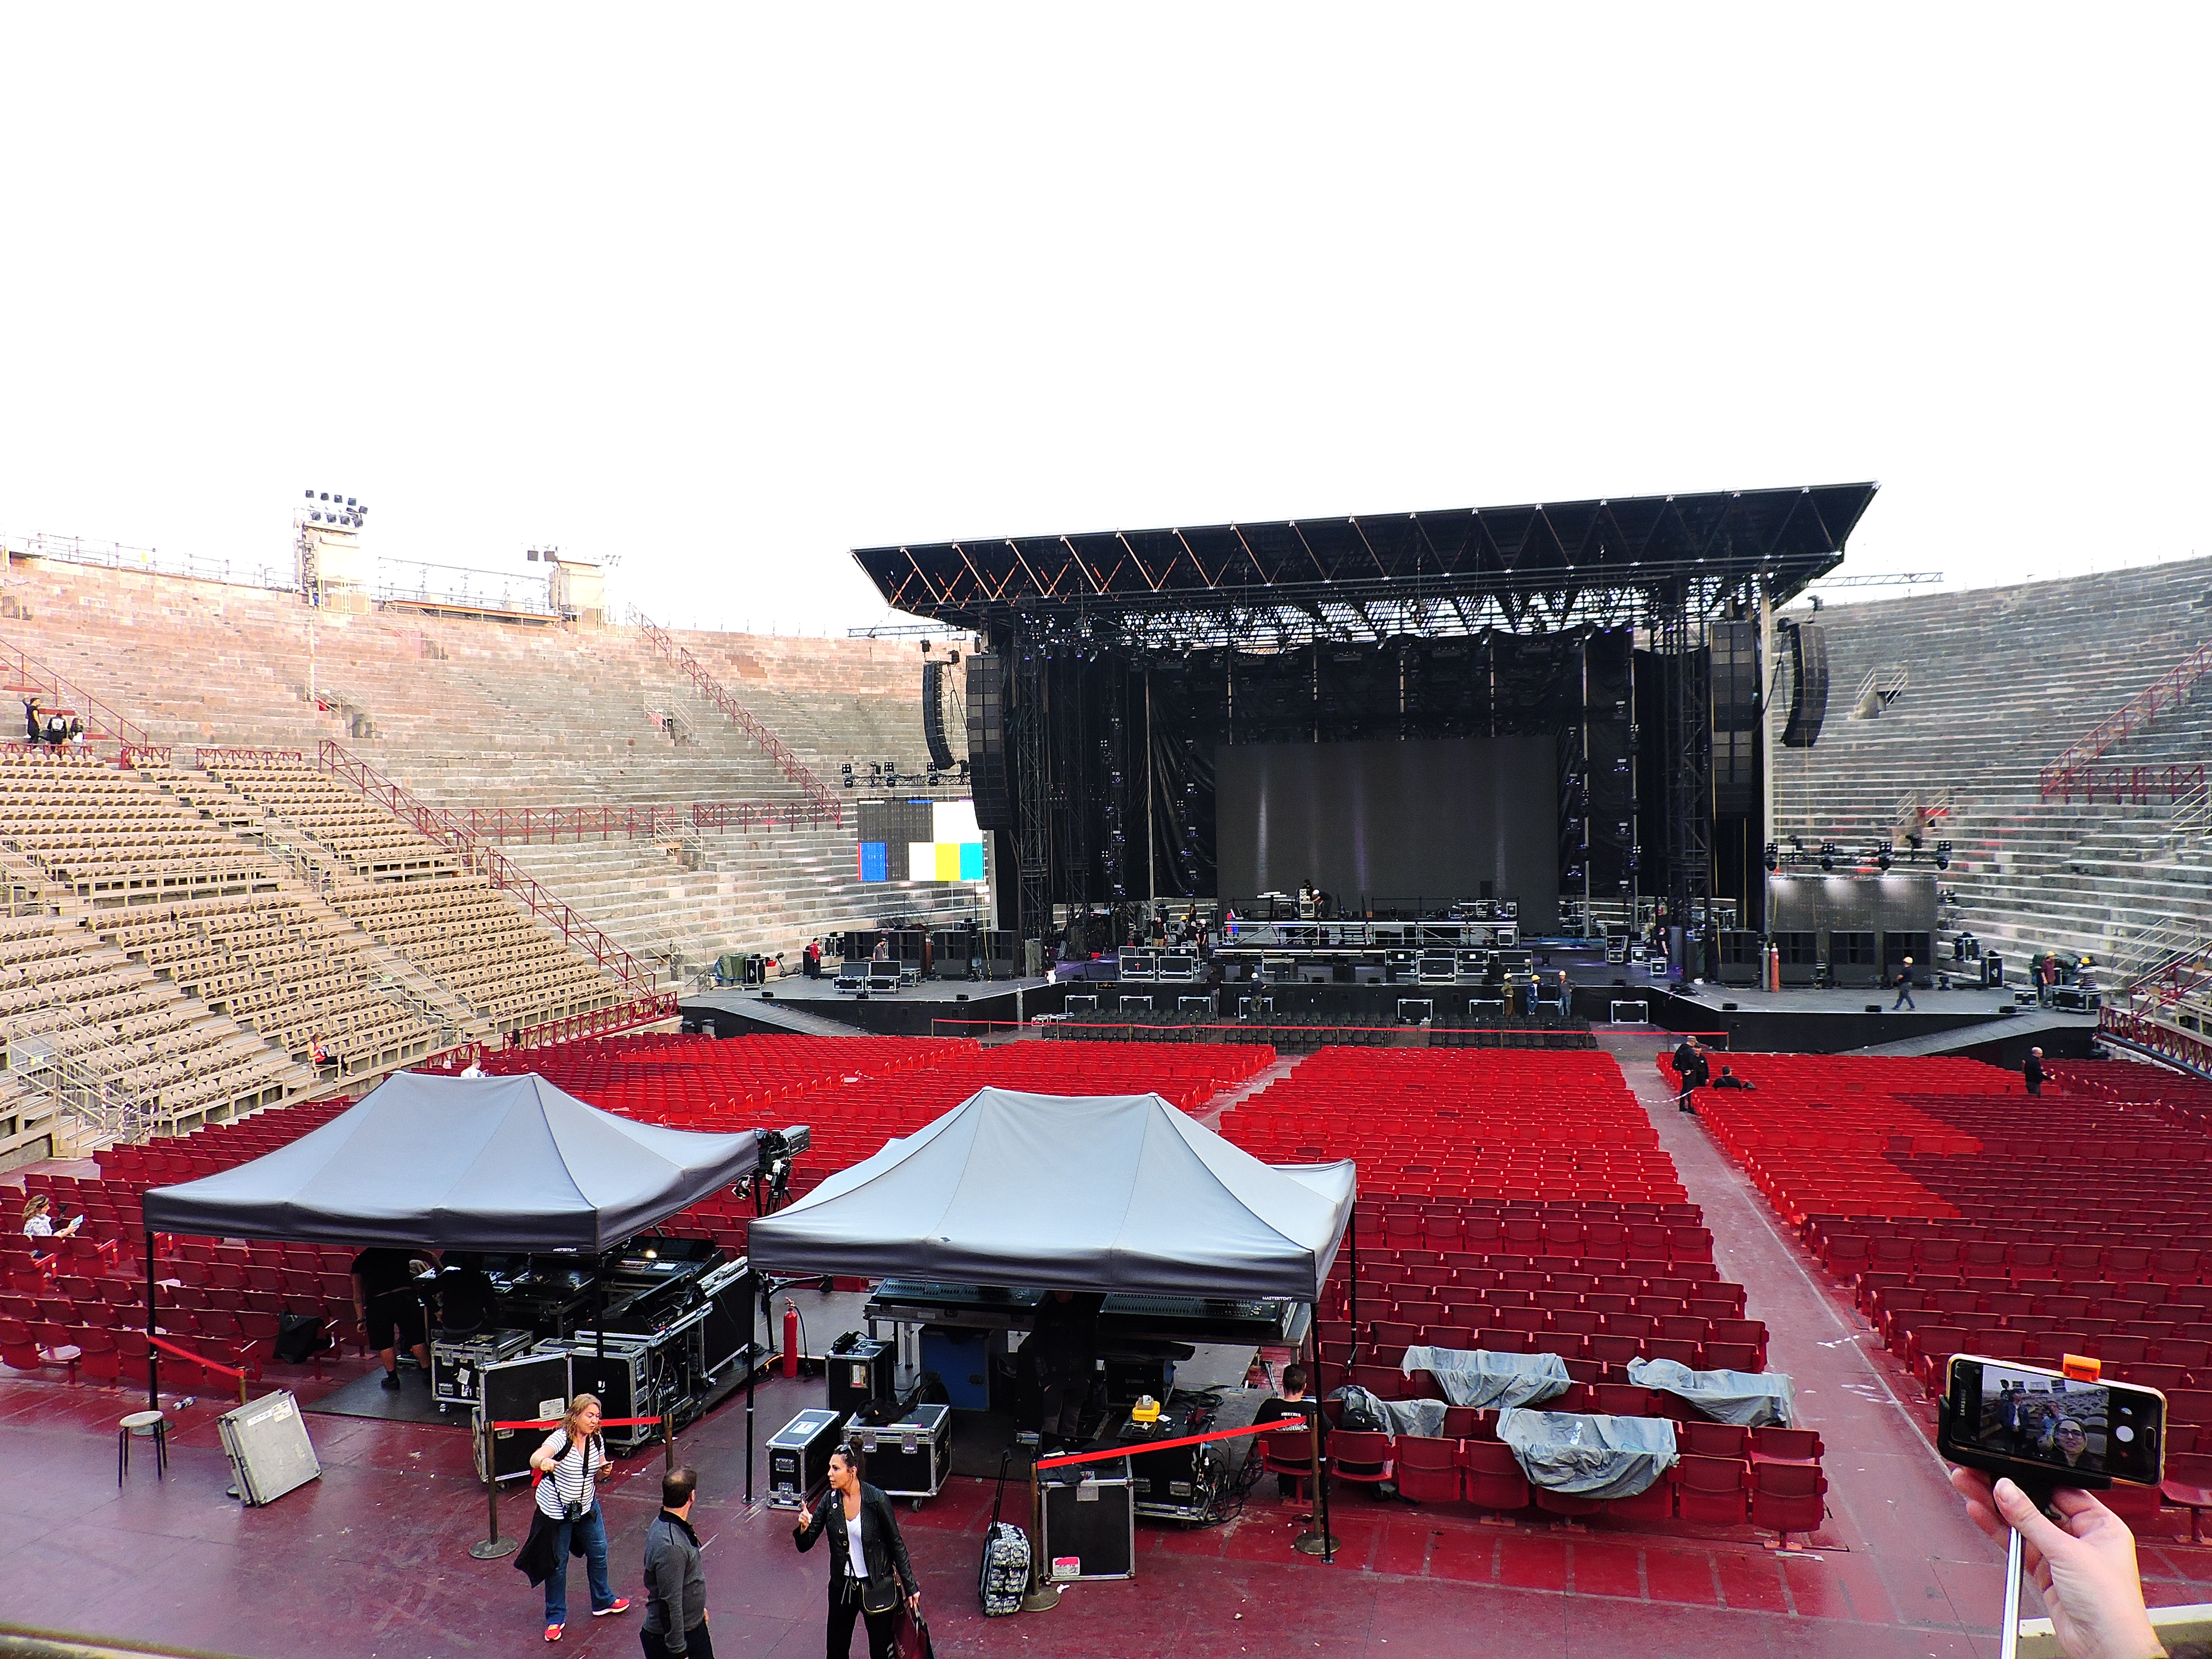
1455, 571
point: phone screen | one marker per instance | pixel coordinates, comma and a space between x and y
2030, 1416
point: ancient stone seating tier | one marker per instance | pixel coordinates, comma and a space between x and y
478, 944
2001, 680
285, 964
368, 838
109, 837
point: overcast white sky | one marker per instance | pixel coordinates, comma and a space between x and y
730, 292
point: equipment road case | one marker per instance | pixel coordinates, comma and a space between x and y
910, 1456
456, 1361
1089, 1524
267, 1443
532, 1388
798, 1457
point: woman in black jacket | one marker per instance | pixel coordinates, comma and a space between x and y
868, 1565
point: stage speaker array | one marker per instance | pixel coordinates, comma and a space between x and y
1736, 716
932, 716
986, 743
1809, 684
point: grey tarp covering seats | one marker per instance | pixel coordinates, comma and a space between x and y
1589, 1456
1076, 1193
1421, 1417
1477, 1376
1750, 1398
480, 1163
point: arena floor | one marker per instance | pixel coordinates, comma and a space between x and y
373, 1559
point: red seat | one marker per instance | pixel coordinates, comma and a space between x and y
1428, 1469
19, 1347
1461, 1421
1700, 1438
1622, 1399
1288, 1451
98, 1356
1654, 1503
1567, 1505
1687, 1353
1494, 1477
1710, 1490
2188, 1486
1383, 1381
1359, 1455
1787, 1497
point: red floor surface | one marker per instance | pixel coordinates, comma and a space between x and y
371, 1560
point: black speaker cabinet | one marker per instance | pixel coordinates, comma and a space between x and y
1090, 1524
933, 715
986, 743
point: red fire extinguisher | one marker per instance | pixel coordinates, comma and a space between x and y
790, 1337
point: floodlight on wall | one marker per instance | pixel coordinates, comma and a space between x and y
1773, 857
1827, 855
1943, 856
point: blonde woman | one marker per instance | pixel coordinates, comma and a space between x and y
568, 1509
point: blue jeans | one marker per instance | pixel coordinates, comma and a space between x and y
592, 1530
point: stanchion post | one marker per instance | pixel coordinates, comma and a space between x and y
1043, 1595
1320, 1541
491, 1546
752, 1378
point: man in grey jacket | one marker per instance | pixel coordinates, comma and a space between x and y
675, 1586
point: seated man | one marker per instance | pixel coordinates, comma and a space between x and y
1294, 1405
1729, 1079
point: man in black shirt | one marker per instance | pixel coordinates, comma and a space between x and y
1292, 1402
2033, 1071
386, 1301
1693, 1069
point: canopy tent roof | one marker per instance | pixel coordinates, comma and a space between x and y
1095, 1193
485, 1164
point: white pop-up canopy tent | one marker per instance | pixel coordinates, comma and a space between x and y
1100, 1193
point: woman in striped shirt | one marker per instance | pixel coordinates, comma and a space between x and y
570, 1459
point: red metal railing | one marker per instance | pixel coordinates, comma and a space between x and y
711, 689
2163, 1040
441, 826
600, 1022
2127, 783
651, 820
102, 723
2063, 775
223, 755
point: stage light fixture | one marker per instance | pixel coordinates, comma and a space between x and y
1827, 855
1943, 856
1773, 857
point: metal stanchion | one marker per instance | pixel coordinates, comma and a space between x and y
1043, 1595
492, 1546
752, 1378
1319, 1541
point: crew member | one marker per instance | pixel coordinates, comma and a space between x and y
32, 727
464, 1294
813, 962
1292, 1403
1729, 1079
883, 952
1064, 1347
868, 1563
2031, 1073
675, 1586
389, 1308
1903, 988
1691, 1068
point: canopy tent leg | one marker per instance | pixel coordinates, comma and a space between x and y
1351, 1238
1320, 1541
752, 1378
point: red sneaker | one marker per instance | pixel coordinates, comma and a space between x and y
553, 1632
620, 1605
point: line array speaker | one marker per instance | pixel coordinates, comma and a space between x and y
1809, 684
986, 743
933, 715
1736, 716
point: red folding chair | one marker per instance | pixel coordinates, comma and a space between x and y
1787, 1497
1429, 1469
1494, 1477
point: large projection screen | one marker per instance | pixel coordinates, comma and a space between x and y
1436, 820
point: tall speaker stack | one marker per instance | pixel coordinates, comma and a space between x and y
986, 743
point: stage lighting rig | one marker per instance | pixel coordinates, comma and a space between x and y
1827, 855
1884, 853
1773, 858
1943, 856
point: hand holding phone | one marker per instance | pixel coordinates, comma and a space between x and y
2084, 1565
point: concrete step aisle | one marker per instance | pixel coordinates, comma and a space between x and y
1907, 1554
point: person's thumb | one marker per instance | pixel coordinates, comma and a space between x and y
2020, 1514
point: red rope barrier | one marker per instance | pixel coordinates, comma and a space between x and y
1137, 1448
197, 1359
